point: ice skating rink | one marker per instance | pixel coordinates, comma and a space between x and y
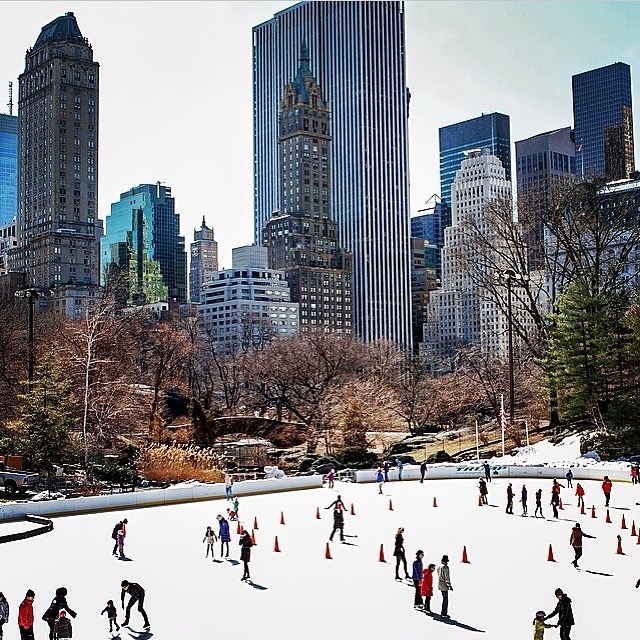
298, 593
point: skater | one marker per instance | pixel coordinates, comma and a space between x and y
25, 616
575, 540
555, 501
386, 472
606, 489
338, 523
62, 627
633, 472
4, 612
331, 478
114, 534
565, 614
380, 479
423, 470
556, 487
400, 466
444, 585
136, 594
398, 552
224, 534
523, 499
487, 471
482, 486
245, 553
509, 499
417, 578
209, 537
539, 626
569, 477
228, 486
236, 507
58, 603
112, 614
426, 588
538, 504
120, 539
580, 494
337, 504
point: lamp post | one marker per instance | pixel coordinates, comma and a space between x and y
31, 295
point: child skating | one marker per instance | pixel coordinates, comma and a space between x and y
210, 538
539, 625
112, 614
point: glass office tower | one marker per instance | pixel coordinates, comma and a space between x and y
8, 168
358, 49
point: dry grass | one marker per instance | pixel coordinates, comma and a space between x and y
162, 463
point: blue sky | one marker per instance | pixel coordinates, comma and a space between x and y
175, 86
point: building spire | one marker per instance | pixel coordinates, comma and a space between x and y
304, 56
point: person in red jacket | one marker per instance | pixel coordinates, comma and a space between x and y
426, 586
606, 488
25, 616
580, 494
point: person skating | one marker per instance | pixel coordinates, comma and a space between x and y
565, 614
539, 626
338, 524
58, 603
228, 486
399, 553
487, 471
569, 477
634, 474
114, 534
379, 479
386, 472
555, 501
112, 615
606, 489
509, 499
120, 539
444, 585
209, 538
423, 470
4, 612
62, 627
400, 466
245, 553
331, 479
224, 535
136, 594
538, 504
580, 494
523, 499
416, 575
336, 504
25, 616
575, 540
482, 487
556, 487
426, 588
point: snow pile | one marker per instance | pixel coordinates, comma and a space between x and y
47, 495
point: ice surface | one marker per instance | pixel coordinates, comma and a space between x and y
298, 594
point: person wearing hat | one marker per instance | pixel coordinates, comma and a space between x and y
565, 614
245, 553
444, 585
25, 616
4, 612
539, 625
575, 540
136, 594
62, 627
416, 575
58, 603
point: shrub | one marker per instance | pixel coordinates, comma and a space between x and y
164, 463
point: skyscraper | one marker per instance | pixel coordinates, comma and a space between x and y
302, 237
8, 168
142, 244
58, 166
603, 122
489, 131
358, 51
204, 260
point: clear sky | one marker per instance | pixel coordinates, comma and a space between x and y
176, 97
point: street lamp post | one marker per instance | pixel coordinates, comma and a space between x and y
31, 295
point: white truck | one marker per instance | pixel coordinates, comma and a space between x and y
15, 480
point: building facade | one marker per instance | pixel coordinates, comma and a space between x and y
142, 247
203, 259
248, 304
603, 122
8, 168
429, 226
302, 238
8, 241
58, 165
369, 154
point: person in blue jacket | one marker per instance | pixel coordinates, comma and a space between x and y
416, 575
224, 534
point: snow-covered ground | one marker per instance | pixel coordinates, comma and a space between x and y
297, 593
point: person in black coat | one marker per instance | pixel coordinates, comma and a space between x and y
136, 594
338, 524
245, 553
114, 535
565, 614
58, 603
399, 553
510, 499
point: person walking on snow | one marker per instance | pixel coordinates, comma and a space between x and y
209, 537
245, 553
569, 477
4, 612
228, 486
575, 540
399, 553
580, 494
523, 499
539, 626
423, 470
136, 594
224, 534
62, 627
416, 575
426, 588
25, 616
112, 614
606, 489
379, 479
565, 614
509, 499
538, 504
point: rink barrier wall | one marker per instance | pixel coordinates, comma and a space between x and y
45, 526
472, 471
153, 497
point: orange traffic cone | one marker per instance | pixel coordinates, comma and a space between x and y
435, 502
608, 519
327, 553
624, 524
255, 523
381, 556
465, 559
560, 504
479, 501
619, 549
638, 538
253, 539
281, 517
318, 513
276, 546
352, 511
390, 505
582, 508
238, 528
550, 556
633, 528
593, 511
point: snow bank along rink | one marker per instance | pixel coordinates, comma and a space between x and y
299, 593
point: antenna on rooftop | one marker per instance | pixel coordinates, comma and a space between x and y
10, 103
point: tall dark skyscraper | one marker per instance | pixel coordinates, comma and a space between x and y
302, 237
58, 165
358, 54
490, 131
603, 122
8, 168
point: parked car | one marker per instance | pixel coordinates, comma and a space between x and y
15, 480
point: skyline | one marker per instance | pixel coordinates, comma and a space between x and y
182, 114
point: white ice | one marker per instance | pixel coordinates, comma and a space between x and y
297, 593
